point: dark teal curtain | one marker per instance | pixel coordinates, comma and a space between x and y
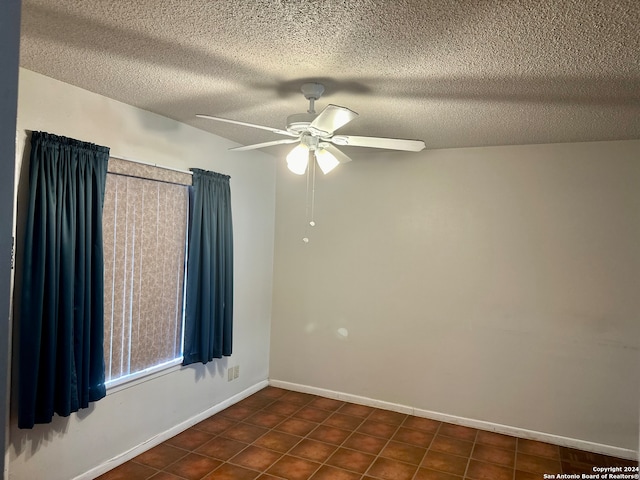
209, 300
61, 367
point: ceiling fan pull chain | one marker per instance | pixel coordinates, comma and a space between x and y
313, 162
310, 197
307, 203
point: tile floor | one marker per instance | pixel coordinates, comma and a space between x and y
280, 434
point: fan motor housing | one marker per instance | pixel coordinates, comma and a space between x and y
299, 122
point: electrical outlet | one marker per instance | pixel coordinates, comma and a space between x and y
236, 371
230, 374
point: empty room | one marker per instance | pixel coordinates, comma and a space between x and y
306, 240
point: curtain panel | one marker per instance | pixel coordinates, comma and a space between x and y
61, 360
209, 295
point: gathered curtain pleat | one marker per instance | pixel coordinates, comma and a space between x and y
61, 359
209, 294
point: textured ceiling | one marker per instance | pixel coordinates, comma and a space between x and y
451, 73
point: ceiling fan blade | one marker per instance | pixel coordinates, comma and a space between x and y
379, 142
264, 144
331, 118
336, 152
236, 122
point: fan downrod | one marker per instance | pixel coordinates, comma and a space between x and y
312, 92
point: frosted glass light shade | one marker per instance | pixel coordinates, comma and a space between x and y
326, 161
298, 158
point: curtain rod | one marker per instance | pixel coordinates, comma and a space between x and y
150, 164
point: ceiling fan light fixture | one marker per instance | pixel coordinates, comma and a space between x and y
298, 158
326, 161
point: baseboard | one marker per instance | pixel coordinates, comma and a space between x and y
173, 431
467, 422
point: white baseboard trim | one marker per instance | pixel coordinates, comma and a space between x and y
167, 434
467, 422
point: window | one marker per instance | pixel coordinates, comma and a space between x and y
145, 237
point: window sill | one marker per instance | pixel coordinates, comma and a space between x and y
129, 381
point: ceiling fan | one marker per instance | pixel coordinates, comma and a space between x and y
314, 133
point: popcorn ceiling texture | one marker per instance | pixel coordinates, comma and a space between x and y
454, 74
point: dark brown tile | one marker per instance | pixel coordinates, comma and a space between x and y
593, 459
330, 473
520, 475
387, 416
414, 437
215, 425
377, 429
312, 414
488, 471
356, 410
128, 471
573, 455
272, 392
326, 404
298, 398
237, 412
579, 468
426, 474
265, 419
282, 408
607, 461
451, 445
388, 469
193, 466
160, 456
329, 434
443, 462
256, 458
365, 443
231, 472
313, 450
532, 464
348, 422
404, 453
190, 439
244, 432
278, 441
256, 402
318, 457
293, 468
165, 476
539, 449
221, 448
496, 440
351, 460
419, 423
295, 426
500, 456
458, 431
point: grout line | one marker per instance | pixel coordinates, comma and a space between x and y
336, 447
386, 444
427, 450
473, 447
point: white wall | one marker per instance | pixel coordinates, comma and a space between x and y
127, 418
496, 284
